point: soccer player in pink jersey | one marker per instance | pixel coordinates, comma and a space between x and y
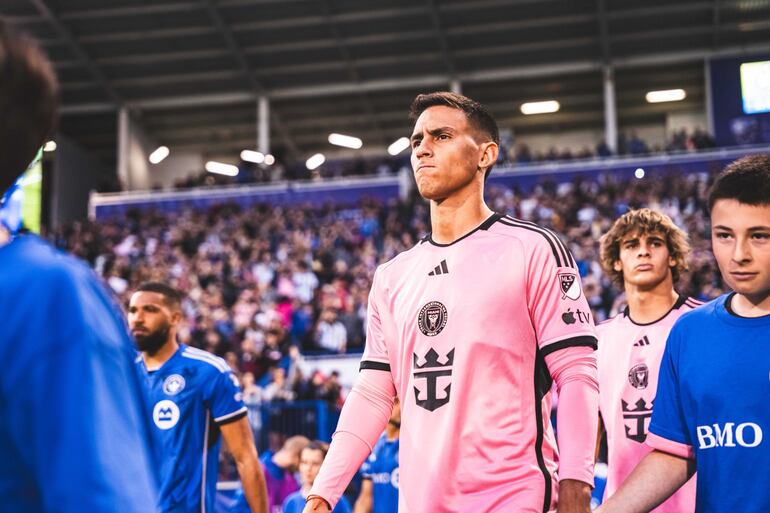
644, 252
470, 328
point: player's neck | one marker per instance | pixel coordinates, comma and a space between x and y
649, 305
457, 215
392, 432
751, 306
156, 361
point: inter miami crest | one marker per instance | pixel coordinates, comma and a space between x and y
428, 375
432, 319
639, 376
570, 286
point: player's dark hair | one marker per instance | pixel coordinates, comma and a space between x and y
171, 295
643, 221
746, 180
476, 114
317, 445
29, 95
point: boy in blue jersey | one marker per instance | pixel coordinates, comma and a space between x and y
711, 411
68, 387
379, 487
194, 397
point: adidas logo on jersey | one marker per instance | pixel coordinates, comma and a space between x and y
644, 341
440, 269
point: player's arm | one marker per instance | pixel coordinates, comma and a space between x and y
654, 480
364, 501
365, 413
240, 442
567, 341
362, 420
224, 398
574, 371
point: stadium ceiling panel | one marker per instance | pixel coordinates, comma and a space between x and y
190, 71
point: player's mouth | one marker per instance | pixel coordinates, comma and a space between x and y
744, 276
425, 166
644, 267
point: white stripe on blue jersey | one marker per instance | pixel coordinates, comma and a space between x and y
208, 358
231, 415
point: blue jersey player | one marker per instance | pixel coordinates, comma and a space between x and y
710, 411
379, 487
194, 398
73, 437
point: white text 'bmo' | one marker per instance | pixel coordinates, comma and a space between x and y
747, 434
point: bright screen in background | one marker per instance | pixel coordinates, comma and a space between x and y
755, 87
32, 188
21, 205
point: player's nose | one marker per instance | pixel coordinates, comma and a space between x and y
742, 250
423, 149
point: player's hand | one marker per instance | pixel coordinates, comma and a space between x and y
574, 497
316, 504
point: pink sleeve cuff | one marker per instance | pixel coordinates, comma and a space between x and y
669, 446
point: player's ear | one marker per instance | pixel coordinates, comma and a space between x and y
176, 317
617, 265
488, 156
671, 261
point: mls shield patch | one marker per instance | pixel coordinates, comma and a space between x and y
570, 286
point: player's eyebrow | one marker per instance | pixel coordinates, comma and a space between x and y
722, 227
417, 136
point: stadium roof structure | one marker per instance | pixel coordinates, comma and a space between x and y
190, 71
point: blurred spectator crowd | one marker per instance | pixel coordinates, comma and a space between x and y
266, 286
632, 144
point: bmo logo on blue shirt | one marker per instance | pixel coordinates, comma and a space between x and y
747, 434
165, 414
390, 478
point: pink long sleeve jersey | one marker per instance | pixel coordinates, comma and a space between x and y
629, 358
470, 335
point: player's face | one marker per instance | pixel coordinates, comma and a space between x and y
644, 260
309, 464
150, 320
740, 237
445, 155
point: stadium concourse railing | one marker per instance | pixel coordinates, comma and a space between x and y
313, 419
350, 191
278, 419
